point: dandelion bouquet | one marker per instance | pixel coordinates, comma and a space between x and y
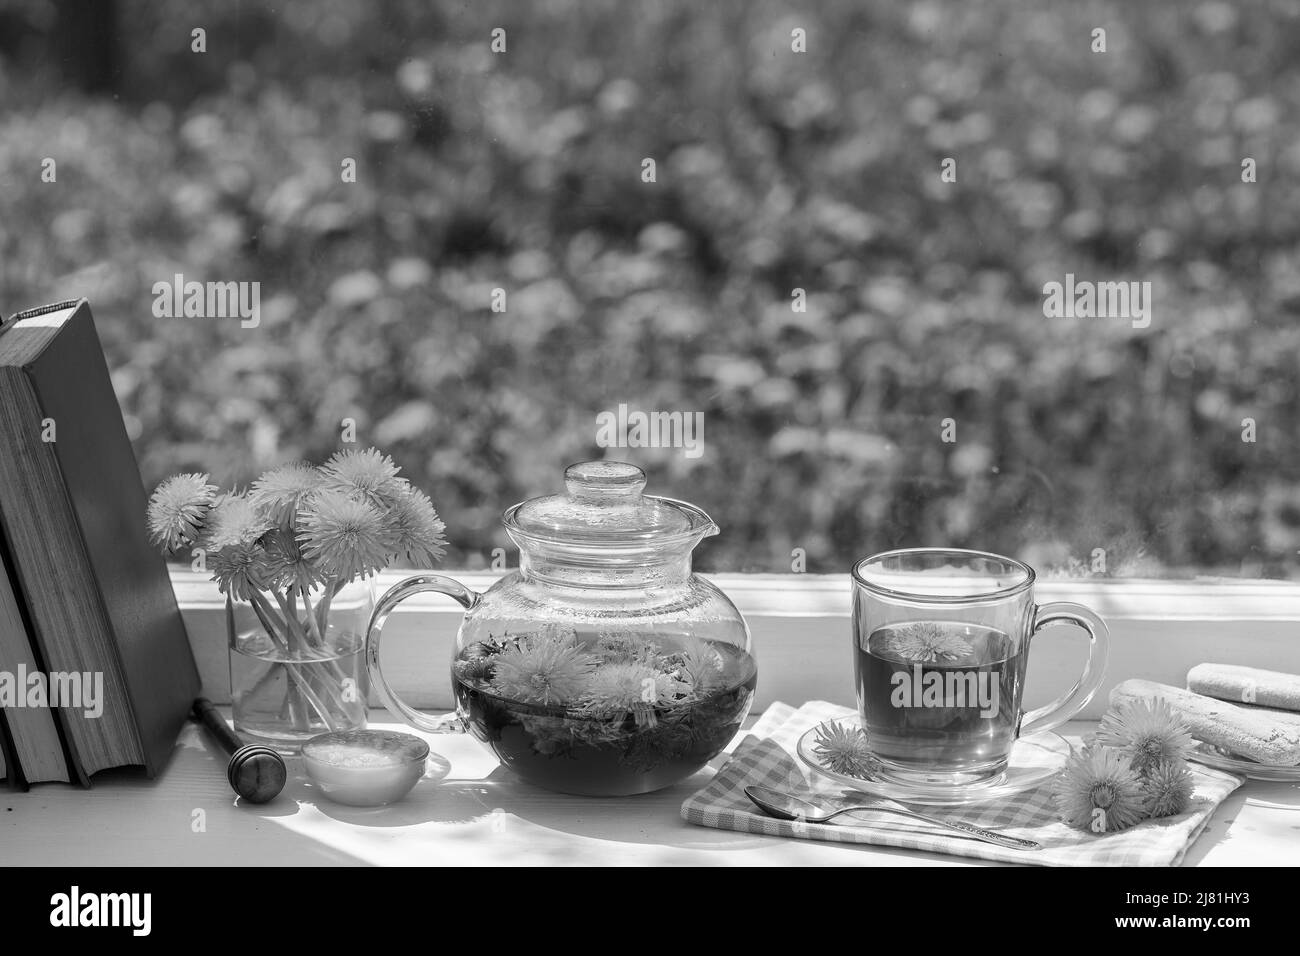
284, 551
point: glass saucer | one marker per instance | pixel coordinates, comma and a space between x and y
1034, 760
1212, 756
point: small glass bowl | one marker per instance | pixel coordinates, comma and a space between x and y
365, 768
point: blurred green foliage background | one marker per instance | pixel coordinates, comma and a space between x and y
776, 170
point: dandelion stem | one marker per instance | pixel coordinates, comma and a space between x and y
292, 628
332, 688
291, 595
317, 704
332, 587
265, 615
317, 639
320, 623
313, 627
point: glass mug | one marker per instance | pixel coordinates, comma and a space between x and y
941, 642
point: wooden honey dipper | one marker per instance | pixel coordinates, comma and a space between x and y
255, 772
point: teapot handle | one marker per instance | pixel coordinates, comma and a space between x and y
452, 723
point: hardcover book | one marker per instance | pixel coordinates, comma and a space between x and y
99, 597
33, 741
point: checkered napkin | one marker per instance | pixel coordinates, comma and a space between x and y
766, 757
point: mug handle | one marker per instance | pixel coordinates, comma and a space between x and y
1076, 698
452, 723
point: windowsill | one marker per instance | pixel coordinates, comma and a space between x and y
480, 815
800, 625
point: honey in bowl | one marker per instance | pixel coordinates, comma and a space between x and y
365, 768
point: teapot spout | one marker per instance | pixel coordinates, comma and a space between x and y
702, 526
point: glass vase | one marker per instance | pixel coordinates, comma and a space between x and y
297, 662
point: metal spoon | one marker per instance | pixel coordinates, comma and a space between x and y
785, 806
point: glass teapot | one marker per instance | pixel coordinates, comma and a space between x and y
601, 666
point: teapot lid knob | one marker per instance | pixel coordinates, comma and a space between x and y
611, 482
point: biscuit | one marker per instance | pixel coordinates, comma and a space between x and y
1246, 685
1239, 730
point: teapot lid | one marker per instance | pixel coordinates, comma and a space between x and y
603, 505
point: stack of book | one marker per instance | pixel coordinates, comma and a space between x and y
96, 670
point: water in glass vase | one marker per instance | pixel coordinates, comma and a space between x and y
604, 715
282, 699
940, 697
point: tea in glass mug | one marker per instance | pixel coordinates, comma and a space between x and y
941, 643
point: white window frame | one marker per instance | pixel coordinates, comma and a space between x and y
800, 624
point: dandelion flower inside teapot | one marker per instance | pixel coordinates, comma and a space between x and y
602, 665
